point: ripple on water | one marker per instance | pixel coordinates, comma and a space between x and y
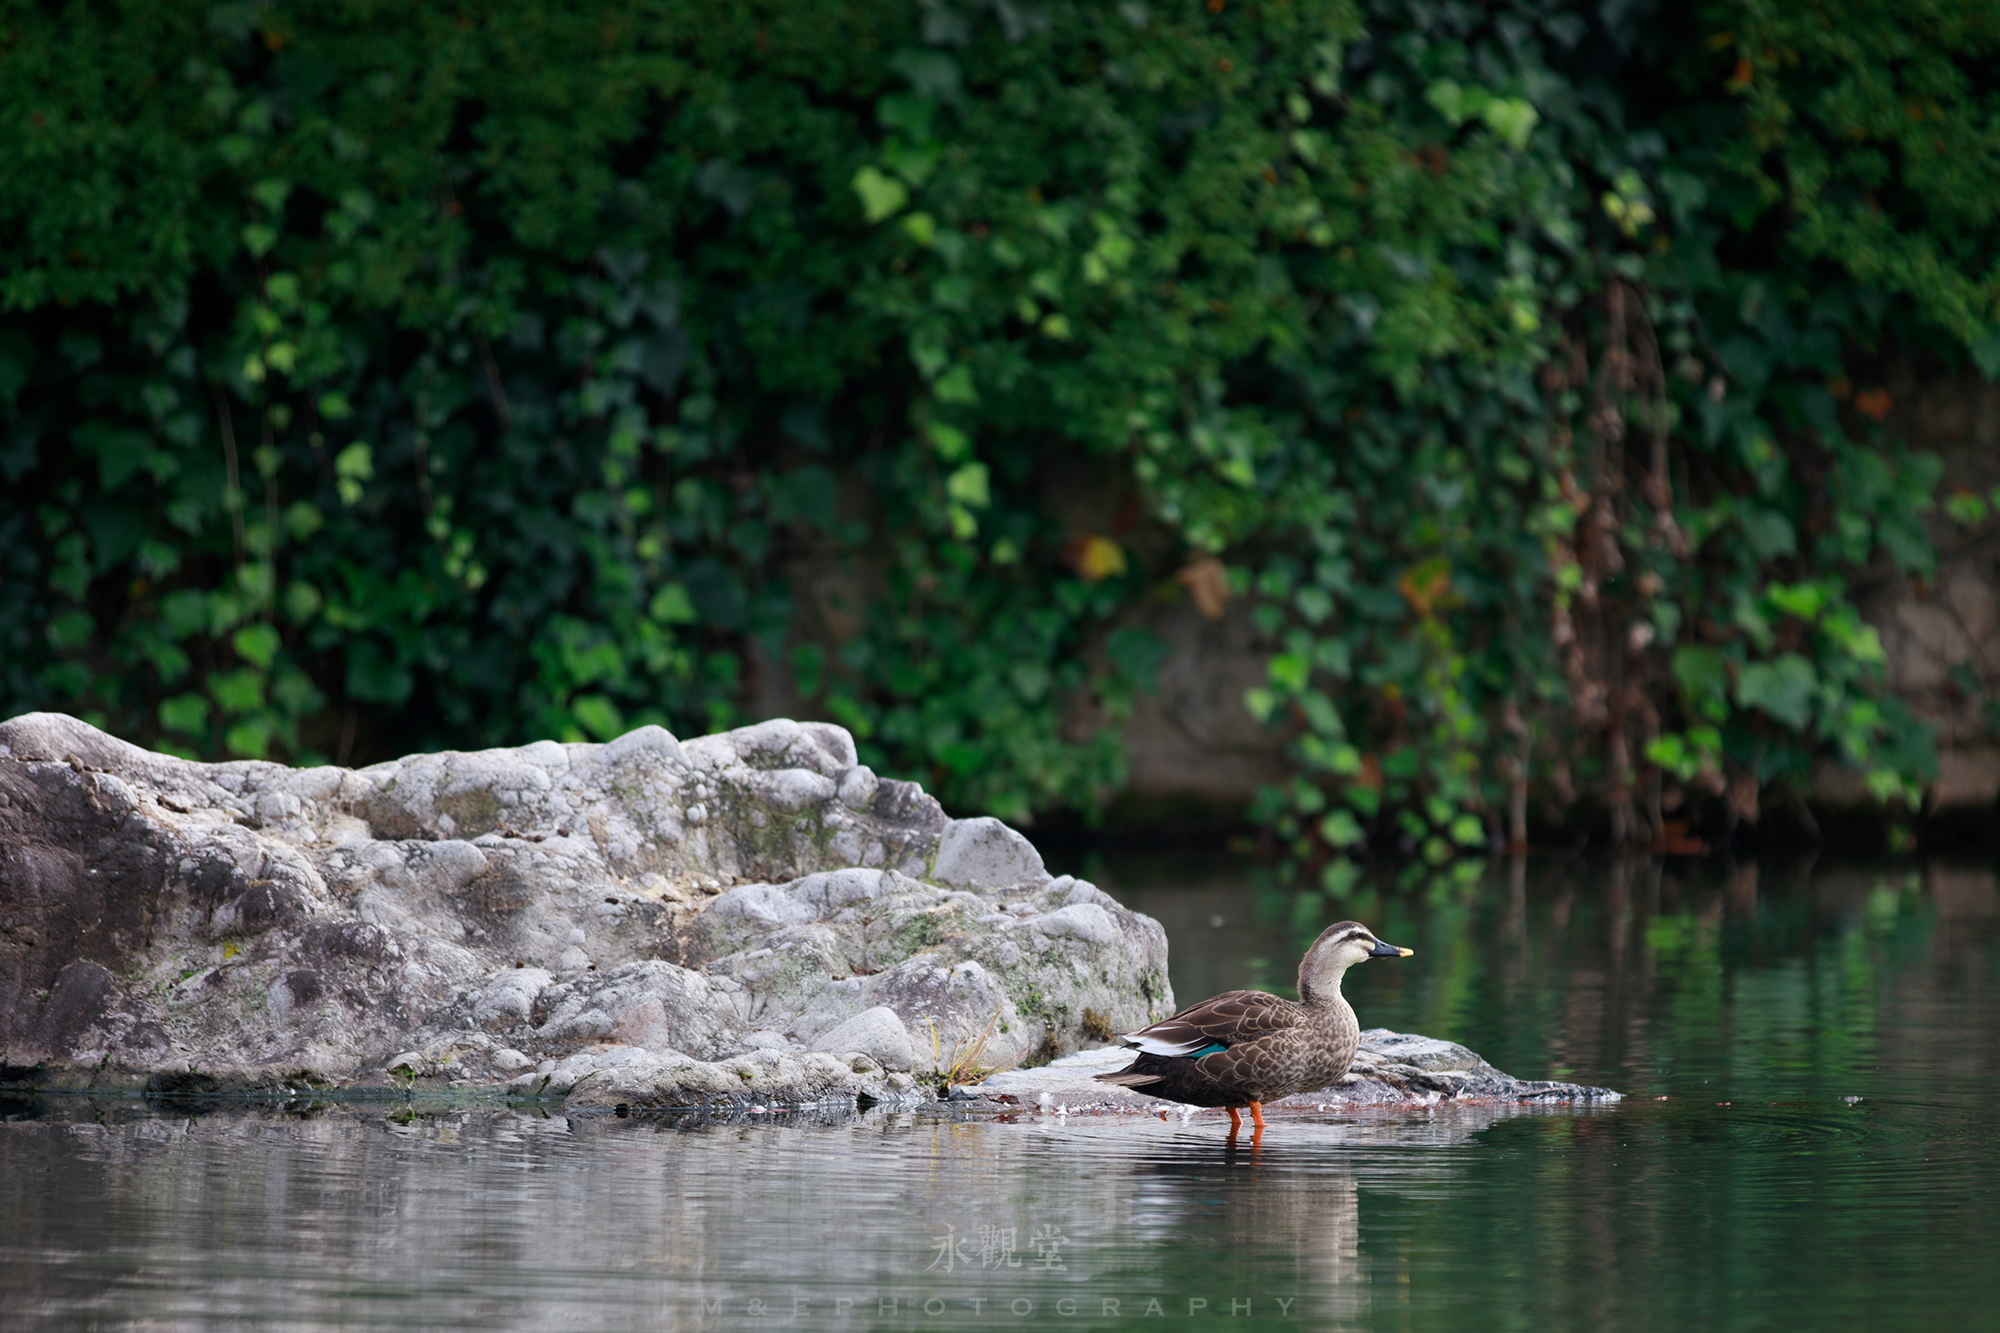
1787, 1207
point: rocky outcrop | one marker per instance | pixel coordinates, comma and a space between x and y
747, 917
749, 920
1392, 1069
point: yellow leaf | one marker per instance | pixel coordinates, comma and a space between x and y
1097, 558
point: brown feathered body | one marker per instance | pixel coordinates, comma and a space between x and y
1245, 1047
1281, 1048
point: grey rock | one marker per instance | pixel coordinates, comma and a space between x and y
984, 853
1401, 1068
972, 984
1079, 921
533, 919
510, 1061
751, 911
509, 997
876, 1033
647, 746
1079, 893
545, 921
764, 1077
858, 787
796, 788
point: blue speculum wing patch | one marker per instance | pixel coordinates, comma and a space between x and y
1209, 1049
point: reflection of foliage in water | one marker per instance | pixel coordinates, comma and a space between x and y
1549, 970
1649, 1216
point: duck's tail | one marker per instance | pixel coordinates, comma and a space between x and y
1129, 1078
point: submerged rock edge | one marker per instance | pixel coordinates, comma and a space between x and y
1392, 1070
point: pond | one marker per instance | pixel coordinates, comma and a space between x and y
1810, 1138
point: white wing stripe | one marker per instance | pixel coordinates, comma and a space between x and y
1157, 1045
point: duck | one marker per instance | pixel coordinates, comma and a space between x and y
1243, 1048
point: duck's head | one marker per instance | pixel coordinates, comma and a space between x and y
1339, 947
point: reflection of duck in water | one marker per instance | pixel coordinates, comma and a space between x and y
1245, 1048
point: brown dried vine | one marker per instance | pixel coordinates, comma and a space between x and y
1603, 634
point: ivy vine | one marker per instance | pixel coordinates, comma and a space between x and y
413, 379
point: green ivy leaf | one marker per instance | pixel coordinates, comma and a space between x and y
237, 691
1514, 119
1965, 509
598, 716
1455, 102
302, 602
1803, 600
250, 738
185, 713
1290, 671
881, 196
1702, 672
257, 644
1769, 532
913, 163
951, 443
955, 386
70, 630
1782, 688
1341, 829
968, 486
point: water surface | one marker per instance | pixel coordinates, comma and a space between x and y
1810, 1139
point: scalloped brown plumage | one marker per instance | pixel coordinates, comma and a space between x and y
1245, 1047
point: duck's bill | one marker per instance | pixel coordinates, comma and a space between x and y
1382, 950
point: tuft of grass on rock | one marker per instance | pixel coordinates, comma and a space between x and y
966, 1064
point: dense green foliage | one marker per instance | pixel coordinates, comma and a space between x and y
382, 377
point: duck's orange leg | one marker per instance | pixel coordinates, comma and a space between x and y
1235, 1121
1257, 1115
